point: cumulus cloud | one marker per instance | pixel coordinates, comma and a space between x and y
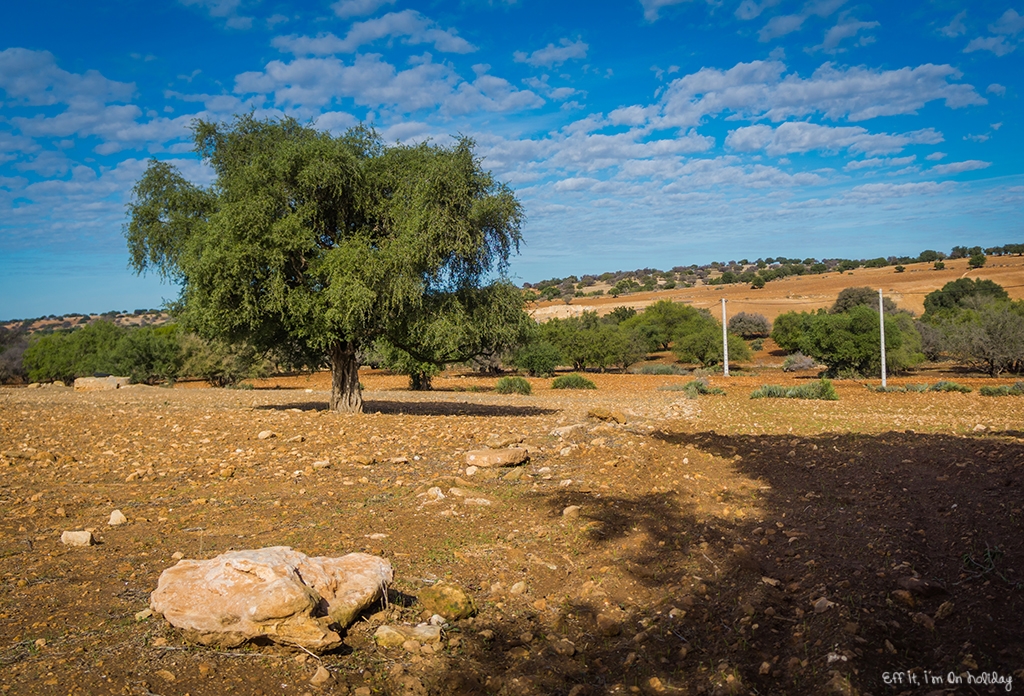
879, 162
551, 55
994, 44
761, 89
358, 8
372, 82
32, 78
1005, 30
996, 89
957, 167
750, 9
935, 156
222, 9
652, 7
800, 137
409, 25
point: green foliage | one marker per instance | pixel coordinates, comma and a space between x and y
587, 341
149, 354
977, 260
947, 386
396, 360
860, 296
1016, 389
893, 389
320, 245
621, 314
848, 343
659, 369
78, 353
939, 266
539, 358
757, 283
789, 328
822, 390
900, 269
750, 325
962, 293
513, 385
700, 386
990, 337
219, 362
13, 344
662, 321
797, 361
704, 346
572, 381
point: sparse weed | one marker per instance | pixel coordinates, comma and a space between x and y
947, 386
821, 390
659, 369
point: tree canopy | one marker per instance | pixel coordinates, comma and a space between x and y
319, 246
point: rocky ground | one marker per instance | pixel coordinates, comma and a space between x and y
721, 545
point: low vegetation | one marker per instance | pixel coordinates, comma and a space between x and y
822, 390
513, 385
572, 381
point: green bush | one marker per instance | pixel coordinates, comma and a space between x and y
699, 386
512, 385
659, 369
1016, 389
821, 390
914, 388
750, 325
572, 381
797, 361
947, 386
539, 358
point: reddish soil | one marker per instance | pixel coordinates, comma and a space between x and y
709, 531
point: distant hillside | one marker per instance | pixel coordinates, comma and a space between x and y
140, 317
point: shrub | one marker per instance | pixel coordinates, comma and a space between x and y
513, 385
797, 361
821, 390
696, 387
939, 266
947, 386
659, 369
705, 346
900, 269
1016, 389
572, 381
750, 325
757, 344
855, 297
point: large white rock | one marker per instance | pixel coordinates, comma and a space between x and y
275, 594
513, 456
100, 383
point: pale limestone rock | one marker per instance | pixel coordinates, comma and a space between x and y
77, 539
514, 456
117, 518
274, 593
266, 434
397, 636
100, 383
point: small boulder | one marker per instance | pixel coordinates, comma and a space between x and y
77, 539
266, 435
605, 414
273, 593
513, 456
397, 636
450, 601
84, 384
117, 518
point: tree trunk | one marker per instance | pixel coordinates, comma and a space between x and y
346, 396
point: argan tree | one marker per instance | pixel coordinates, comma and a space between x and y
318, 246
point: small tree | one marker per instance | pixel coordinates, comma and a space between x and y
750, 325
977, 260
860, 296
321, 245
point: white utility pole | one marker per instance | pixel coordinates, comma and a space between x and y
725, 341
881, 326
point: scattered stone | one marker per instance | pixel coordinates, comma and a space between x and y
77, 539
84, 384
296, 438
979, 428
205, 669
841, 685
609, 623
266, 435
117, 518
566, 430
571, 512
924, 620
513, 456
513, 475
904, 597
143, 615
518, 588
944, 611
480, 502
822, 605
272, 593
564, 647
321, 677
448, 600
165, 674
396, 636
924, 588
766, 668
604, 414
470, 470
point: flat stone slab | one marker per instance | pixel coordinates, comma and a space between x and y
100, 383
276, 594
488, 458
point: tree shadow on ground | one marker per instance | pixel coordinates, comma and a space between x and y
872, 555
422, 408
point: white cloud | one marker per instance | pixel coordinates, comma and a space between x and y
879, 162
749, 9
957, 167
761, 89
935, 156
32, 78
996, 89
996, 44
1009, 24
800, 137
409, 25
551, 55
358, 8
846, 28
787, 24
956, 27
371, 82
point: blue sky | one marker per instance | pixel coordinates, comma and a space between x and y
639, 133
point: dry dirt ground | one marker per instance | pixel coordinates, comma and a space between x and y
806, 293
722, 545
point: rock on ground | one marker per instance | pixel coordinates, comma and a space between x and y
100, 383
512, 456
275, 593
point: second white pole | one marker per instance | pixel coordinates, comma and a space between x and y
725, 341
